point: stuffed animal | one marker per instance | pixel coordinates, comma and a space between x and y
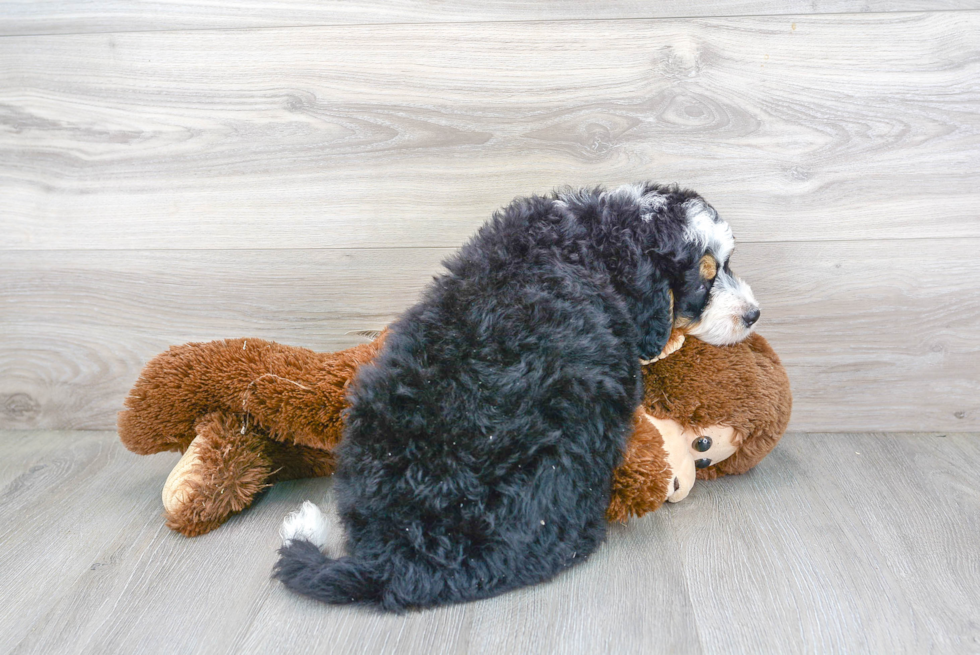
247, 413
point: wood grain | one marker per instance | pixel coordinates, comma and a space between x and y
836, 549
77, 16
873, 334
90, 320
824, 547
58, 516
797, 129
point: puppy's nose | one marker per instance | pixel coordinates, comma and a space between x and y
751, 316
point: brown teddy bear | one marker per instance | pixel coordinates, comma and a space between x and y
247, 413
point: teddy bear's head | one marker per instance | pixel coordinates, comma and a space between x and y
732, 402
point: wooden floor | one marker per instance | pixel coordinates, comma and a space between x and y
837, 543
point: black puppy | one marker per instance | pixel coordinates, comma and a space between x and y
481, 442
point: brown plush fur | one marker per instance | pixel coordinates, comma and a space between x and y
294, 394
640, 484
744, 386
233, 466
264, 412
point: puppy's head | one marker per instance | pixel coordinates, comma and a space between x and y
710, 302
667, 251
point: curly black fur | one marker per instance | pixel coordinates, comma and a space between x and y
481, 442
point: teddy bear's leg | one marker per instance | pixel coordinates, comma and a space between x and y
300, 396
177, 388
293, 462
296, 394
221, 472
645, 478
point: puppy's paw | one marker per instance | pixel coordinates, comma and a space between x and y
308, 523
673, 344
675, 341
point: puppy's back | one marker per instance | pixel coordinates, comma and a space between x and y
481, 441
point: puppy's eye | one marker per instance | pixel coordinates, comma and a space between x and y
702, 463
702, 444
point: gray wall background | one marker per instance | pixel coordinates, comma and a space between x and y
296, 171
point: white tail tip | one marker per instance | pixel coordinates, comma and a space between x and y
308, 522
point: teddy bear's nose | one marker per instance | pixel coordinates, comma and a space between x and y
677, 484
751, 316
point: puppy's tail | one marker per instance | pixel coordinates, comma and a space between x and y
303, 567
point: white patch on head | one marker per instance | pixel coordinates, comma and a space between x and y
707, 231
650, 202
626, 192
308, 523
721, 322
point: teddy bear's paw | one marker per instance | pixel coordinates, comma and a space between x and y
308, 523
177, 489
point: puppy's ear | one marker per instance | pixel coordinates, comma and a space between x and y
655, 319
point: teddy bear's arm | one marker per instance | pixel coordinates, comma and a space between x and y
642, 482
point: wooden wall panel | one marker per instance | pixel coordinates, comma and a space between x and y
79, 16
810, 128
875, 335
303, 183
85, 322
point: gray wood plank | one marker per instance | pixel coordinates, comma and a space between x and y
873, 334
91, 320
613, 603
78, 16
214, 584
362, 136
113, 589
630, 597
837, 550
58, 517
23, 451
348, 631
824, 547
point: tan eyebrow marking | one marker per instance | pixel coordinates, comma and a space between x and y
709, 267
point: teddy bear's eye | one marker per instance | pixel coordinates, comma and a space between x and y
702, 463
702, 444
